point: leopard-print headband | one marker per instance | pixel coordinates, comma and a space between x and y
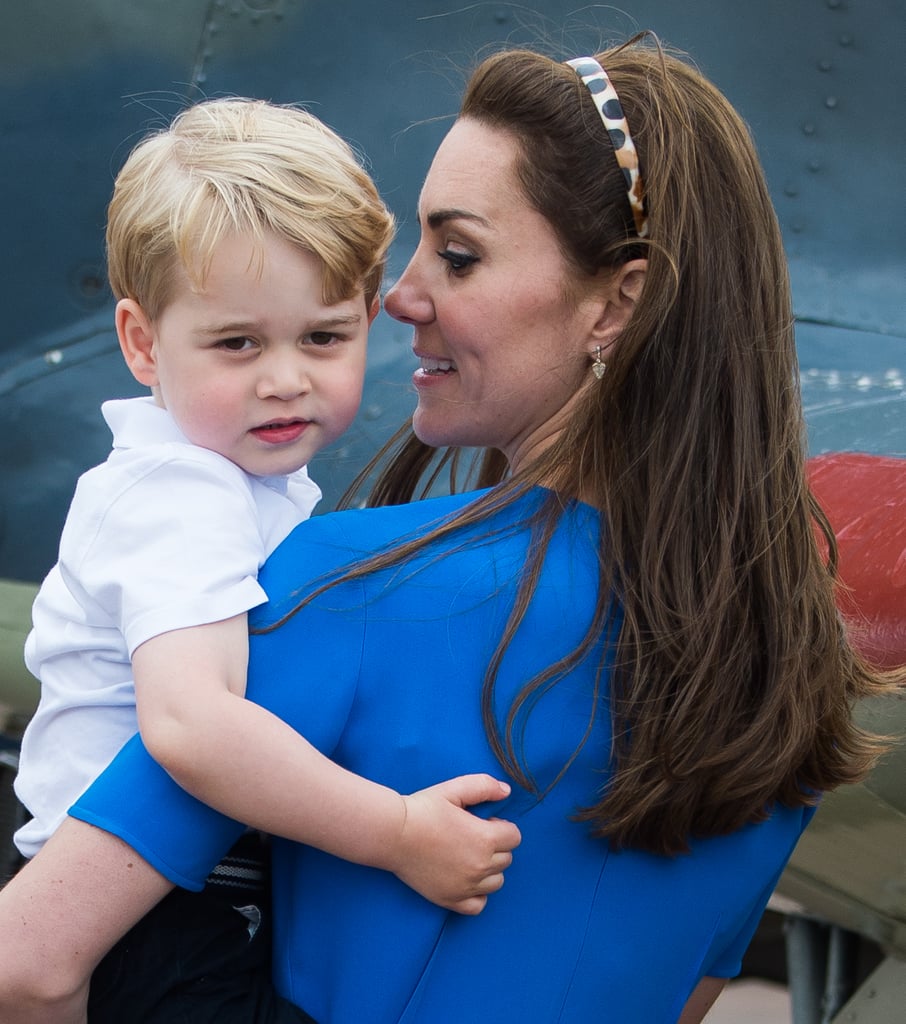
608, 106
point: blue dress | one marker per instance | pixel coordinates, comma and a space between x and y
383, 674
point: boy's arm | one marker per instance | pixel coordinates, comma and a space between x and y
61, 913
244, 761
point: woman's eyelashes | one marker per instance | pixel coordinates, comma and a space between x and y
457, 260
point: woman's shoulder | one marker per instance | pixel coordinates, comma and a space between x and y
364, 531
330, 542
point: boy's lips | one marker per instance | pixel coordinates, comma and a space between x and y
280, 431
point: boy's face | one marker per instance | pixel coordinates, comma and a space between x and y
256, 367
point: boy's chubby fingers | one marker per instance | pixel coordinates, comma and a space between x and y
475, 904
506, 836
471, 907
491, 883
466, 790
500, 862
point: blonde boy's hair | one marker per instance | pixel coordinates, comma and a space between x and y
240, 165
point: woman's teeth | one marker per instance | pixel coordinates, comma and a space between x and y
429, 365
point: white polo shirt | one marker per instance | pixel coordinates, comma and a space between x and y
161, 536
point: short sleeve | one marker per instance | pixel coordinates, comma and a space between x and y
727, 962
178, 544
175, 833
304, 671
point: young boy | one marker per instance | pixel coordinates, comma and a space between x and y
245, 248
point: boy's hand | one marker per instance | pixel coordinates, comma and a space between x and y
449, 855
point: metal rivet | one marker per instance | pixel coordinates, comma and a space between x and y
824, 64
831, 102
808, 128
91, 285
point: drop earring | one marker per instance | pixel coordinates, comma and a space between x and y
598, 366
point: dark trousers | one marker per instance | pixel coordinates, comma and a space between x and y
193, 959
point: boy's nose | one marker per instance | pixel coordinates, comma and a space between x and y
284, 377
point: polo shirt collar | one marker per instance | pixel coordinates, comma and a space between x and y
136, 422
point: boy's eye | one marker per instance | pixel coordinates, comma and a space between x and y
322, 337
236, 344
457, 260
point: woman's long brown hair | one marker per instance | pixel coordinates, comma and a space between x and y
735, 682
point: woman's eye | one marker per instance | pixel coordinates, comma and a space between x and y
456, 260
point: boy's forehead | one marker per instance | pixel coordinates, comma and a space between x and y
230, 280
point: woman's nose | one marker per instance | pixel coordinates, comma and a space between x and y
408, 300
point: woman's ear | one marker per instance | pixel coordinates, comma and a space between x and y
136, 337
621, 293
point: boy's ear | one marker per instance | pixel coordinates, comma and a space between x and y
622, 292
136, 337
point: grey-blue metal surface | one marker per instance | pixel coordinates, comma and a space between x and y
820, 82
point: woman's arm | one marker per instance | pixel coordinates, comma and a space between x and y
59, 916
702, 999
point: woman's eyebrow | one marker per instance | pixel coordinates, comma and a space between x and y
438, 217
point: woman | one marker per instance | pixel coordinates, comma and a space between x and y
632, 615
